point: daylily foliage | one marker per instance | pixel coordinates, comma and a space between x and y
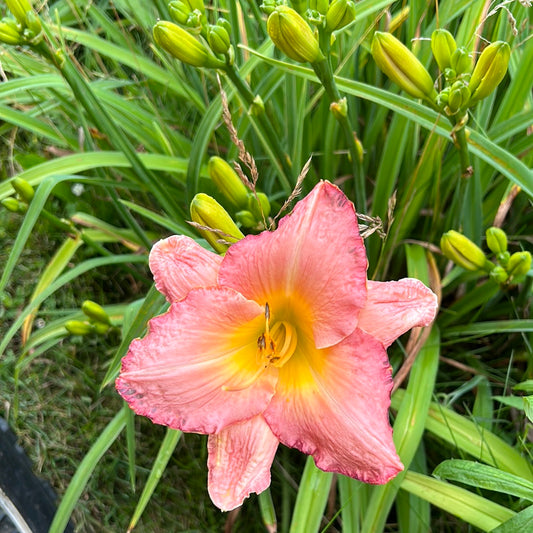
282, 340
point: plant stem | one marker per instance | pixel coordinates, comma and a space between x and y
324, 72
282, 158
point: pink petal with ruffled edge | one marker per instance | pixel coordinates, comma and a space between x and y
394, 307
177, 374
315, 261
179, 264
333, 404
239, 462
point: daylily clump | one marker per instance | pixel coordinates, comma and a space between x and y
281, 340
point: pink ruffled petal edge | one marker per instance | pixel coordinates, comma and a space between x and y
179, 264
337, 409
394, 307
315, 258
196, 369
240, 457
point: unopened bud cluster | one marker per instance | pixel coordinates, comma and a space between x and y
97, 321
24, 28
508, 269
191, 39
24, 195
463, 88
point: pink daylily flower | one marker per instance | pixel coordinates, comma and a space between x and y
281, 340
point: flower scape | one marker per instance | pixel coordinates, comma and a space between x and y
282, 340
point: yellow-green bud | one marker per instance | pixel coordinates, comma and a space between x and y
496, 240
463, 252
299, 5
489, 71
268, 6
33, 25
293, 36
443, 45
196, 4
19, 8
443, 97
458, 97
258, 106
78, 327
461, 62
12, 204
320, 6
228, 182
95, 312
339, 109
499, 275
340, 14
179, 11
402, 66
259, 205
183, 46
214, 223
519, 265
246, 219
218, 39
9, 32
23, 189
100, 328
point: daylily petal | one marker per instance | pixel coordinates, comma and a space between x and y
315, 262
196, 369
179, 264
239, 462
394, 307
333, 404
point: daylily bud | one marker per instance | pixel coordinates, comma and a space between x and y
196, 4
463, 252
321, 6
78, 327
489, 71
218, 39
259, 205
340, 14
13, 205
33, 25
258, 106
339, 109
299, 5
519, 265
443, 45
228, 182
224, 24
100, 328
458, 97
210, 215
245, 219
499, 275
268, 6
23, 189
182, 45
179, 11
19, 8
292, 35
402, 66
460, 61
496, 240
95, 312
443, 97
9, 32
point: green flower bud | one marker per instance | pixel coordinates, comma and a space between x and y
183, 46
518, 266
33, 25
78, 327
228, 182
23, 189
13, 205
268, 6
100, 328
320, 6
340, 14
246, 219
339, 109
402, 66
292, 35
95, 312
218, 39
489, 71
499, 275
179, 11
196, 5
299, 5
258, 107
223, 23
214, 223
443, 45
460, 61
496, 240
459, 96
463, 252
9, 32
19, 8
259, 205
